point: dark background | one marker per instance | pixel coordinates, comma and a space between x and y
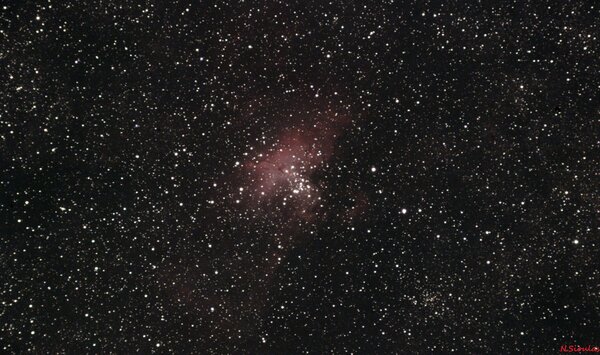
117, 119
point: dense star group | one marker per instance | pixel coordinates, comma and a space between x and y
285, 172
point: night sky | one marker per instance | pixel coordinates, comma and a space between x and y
287, 177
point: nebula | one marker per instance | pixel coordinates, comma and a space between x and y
277, 202
281, 179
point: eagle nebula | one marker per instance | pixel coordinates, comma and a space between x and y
299, 177
282, 177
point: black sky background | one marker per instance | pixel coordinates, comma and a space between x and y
120, 129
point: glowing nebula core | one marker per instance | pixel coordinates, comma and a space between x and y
282, 176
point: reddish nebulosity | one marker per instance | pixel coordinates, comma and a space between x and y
278, 196
283, 174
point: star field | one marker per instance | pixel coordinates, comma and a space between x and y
299, 177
